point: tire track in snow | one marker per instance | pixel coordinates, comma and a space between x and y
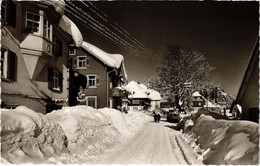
151, 145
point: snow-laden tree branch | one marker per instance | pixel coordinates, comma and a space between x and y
177, 67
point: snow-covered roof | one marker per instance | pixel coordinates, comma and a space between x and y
135, 89
59, 6
211, 105
196, 94
154, 95
141, 91
68, 26
239, 108
112, 60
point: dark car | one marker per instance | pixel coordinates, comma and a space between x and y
173, 116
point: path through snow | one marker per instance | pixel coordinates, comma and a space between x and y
155, 143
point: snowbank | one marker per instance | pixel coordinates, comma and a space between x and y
223, 141
68, 136
27, 136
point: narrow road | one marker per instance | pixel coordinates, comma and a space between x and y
156, 143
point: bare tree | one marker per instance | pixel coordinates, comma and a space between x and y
180, 72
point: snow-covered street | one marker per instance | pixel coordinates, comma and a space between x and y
83, 135
155, 143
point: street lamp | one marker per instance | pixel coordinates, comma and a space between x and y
187, 86
76, 73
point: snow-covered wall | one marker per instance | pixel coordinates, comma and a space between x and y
222, 141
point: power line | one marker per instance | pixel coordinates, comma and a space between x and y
101, 29
92, 23
104, 29
119, 29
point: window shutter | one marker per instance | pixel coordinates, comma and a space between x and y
60, 81
50, 78
87, 62
12, 14
97, 83
87, 82
12, 66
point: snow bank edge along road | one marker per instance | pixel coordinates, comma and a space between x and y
223, 141
29, 136
63, 136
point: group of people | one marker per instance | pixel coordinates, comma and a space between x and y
157, 116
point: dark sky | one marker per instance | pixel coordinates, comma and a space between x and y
225, 32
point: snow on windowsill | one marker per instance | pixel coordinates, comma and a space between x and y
92, 87
56, 89
81, 68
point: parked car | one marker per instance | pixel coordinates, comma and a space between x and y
173, 115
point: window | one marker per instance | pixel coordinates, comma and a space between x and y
8, 12
4, 10
55, 79
135, 101
3, 63
57, 47
47, 29
82, 62
92, 79
91, 101
8, 64
32, 22
72, 50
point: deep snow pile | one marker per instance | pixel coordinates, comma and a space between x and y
71, 135
27, 136
223, 141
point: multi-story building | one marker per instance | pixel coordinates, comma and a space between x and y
198, 101
35, 42
102, 71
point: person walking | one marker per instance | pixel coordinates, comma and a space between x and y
157, 116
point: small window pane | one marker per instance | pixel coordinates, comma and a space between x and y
29, 16
36, 18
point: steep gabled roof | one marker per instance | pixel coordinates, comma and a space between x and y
252, 66
111, 60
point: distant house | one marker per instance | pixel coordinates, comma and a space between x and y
237, 111
102, 72
197, 101
34, 54
140, 97
155, 99
248, 94
213, 107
